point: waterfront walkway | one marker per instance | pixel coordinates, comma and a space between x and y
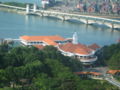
112, 81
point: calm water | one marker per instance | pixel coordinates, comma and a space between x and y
14, 25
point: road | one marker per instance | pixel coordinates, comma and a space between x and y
107, 77
112, 81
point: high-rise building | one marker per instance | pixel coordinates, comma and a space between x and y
47, 3
44, 3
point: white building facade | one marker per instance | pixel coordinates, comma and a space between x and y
82, 52
68, 47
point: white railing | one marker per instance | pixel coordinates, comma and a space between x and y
91, 59
77, 15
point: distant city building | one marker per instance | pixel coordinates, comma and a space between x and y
91, 9
47, 2
80, 6
44, 3
52, 2
102, 6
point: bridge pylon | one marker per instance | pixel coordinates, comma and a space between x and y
27, 8
34, 8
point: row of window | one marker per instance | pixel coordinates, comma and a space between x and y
61, 42
35, 42
86, 56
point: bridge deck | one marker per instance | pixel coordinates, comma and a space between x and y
64, 16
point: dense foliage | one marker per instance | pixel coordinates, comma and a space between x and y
15, 4
117, 77
27, 68
111, 56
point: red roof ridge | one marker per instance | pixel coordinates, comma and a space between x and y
94, 46
76, 48
113, 71
86, 72
39, 38
49, 41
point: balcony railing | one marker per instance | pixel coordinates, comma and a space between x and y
88, 59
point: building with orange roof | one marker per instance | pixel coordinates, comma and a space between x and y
113, 72
81, 73
85, 54
118, 41
94, 46
42, 40
68, 47
89, 74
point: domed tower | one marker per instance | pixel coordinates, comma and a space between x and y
75, 38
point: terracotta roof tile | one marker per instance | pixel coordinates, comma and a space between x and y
40, 38
50, 40
88, 73
76, 48
79, 73
94, 46
95, 73
113, 71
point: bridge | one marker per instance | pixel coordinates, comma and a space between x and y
86, 19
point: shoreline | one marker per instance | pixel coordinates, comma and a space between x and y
24, 13
55, 8
12, 10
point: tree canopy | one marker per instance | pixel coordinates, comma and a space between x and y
110, 56
27, 68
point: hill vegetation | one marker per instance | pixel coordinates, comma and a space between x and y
15, 4
27, 68
110, 56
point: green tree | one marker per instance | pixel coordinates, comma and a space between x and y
114, 62
3, 79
